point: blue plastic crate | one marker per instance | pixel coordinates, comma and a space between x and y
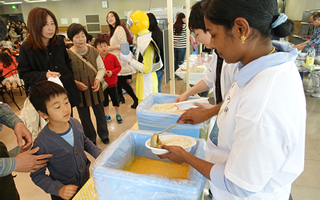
158, 121
111, 182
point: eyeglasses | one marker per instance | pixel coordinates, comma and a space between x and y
111, 16
129, 22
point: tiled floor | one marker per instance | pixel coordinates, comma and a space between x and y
306, 187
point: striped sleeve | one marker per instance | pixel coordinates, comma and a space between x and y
7, 166
180, 41
7, 116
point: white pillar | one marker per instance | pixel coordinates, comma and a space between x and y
188, 44
170, 45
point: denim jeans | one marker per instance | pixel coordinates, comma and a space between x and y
179, 54
160, 77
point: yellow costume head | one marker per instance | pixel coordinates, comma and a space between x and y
138, 21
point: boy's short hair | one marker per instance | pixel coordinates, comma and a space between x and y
99, 41
196, 18
16, 42
42, 92
315, 15
89, 38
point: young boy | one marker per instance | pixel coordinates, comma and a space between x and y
90, 40
62, 137
113, 67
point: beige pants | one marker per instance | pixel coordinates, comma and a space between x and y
12, 79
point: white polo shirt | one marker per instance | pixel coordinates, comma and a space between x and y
262, 128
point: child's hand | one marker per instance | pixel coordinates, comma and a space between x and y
108, 49
66, 192
52, 74
109, 73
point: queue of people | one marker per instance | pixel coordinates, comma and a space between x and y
44, 58
246, 74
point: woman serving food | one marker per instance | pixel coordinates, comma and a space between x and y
256, 148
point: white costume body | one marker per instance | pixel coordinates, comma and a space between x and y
262, 134
147, 81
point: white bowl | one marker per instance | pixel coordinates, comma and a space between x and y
166, 138
185, 105
302, 55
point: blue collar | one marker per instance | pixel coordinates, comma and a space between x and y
246, 73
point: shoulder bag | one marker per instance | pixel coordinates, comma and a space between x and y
104, 84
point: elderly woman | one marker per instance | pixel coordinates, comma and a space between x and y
88, 70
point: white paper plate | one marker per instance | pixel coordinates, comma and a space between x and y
185, 105
164, 138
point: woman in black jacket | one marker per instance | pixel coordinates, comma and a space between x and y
43, 54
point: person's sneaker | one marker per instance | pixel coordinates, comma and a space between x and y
106, 141
311, 90
119, 120
108, 118
316, 95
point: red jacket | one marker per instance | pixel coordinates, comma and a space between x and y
111, 63
13, 66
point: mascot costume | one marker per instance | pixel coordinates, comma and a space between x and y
147, 59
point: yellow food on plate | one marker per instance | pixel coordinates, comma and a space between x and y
165, 168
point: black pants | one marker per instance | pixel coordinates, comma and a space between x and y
8, 190
89, 131
122, 83
112, 92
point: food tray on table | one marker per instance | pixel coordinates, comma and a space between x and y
157, 121
112, 182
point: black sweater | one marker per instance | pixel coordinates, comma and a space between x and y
33, 66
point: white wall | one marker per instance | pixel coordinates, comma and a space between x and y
78, 8
295, 8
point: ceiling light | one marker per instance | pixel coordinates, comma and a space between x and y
18, 2
34, 1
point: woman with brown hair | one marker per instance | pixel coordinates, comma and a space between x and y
117, 36
43, 54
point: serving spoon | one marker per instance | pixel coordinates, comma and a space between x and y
155, 141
